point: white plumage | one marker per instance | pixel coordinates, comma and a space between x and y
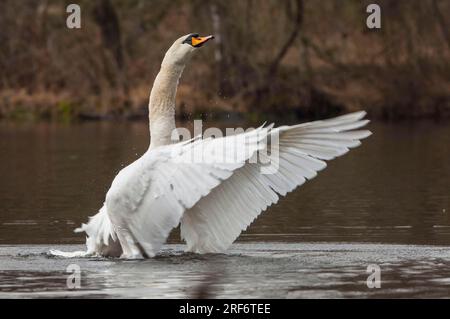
214, 188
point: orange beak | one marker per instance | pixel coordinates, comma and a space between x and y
199, 41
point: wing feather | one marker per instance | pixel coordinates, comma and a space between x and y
218, 195
217, 219
149, 197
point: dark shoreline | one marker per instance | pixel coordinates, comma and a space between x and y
291, 116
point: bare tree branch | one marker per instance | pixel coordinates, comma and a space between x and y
289, 42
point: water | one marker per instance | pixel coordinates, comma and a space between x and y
247, 270
392, 194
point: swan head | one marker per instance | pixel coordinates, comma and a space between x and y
182, 49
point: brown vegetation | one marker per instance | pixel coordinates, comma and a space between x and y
302, 57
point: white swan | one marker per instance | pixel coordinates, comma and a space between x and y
216, 198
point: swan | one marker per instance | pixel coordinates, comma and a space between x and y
214, 199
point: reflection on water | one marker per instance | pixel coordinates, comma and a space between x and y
393, 189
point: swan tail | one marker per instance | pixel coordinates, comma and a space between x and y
101, 238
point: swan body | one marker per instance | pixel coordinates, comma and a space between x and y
217, 197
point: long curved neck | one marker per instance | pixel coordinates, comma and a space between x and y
162, 104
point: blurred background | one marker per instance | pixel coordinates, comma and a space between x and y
290, 58
73, 107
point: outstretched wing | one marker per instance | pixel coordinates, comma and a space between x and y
297, 154
149, 197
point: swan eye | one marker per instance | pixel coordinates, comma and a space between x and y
197, 41
191, 39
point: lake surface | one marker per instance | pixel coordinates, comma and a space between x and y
392, 194
247, 270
